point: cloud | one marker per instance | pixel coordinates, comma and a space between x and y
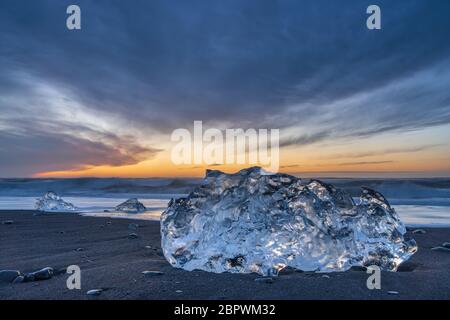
145, 68
387, 151
363, 163
41, 152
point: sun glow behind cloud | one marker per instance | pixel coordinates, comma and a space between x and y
347, 101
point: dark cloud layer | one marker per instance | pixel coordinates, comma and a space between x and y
311, 66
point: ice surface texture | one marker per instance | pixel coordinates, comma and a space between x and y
254, 222
52, 202
131, 206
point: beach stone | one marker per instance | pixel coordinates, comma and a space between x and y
446, 245
19, 279
419, 231
152, 273
133, 236
326, 276
179, 291
94, 292
8, 276
79, 249
393, 293
8, 222
43, 274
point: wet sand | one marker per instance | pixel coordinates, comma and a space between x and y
110, 260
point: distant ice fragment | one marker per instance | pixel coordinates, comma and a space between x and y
131, 206
52, 202
254, 222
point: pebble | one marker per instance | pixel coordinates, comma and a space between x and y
394, 293
133, 236
326, 276
419, 231
43, 274
446, 245
264, 280
442, 249
148, 247
94, 292
152, 273
8, 276
8, 222
179, 291
79, 249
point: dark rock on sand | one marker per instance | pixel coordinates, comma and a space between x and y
8, 276
446, 245
8, 222
133, 236
43, 274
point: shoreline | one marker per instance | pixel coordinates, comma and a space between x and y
109, 259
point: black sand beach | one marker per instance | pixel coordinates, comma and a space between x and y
110, 260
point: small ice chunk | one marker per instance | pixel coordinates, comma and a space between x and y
51, 202
131, 206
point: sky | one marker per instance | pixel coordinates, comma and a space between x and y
104, 100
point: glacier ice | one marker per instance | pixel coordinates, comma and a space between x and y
52, 202
256, 222
131, 206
